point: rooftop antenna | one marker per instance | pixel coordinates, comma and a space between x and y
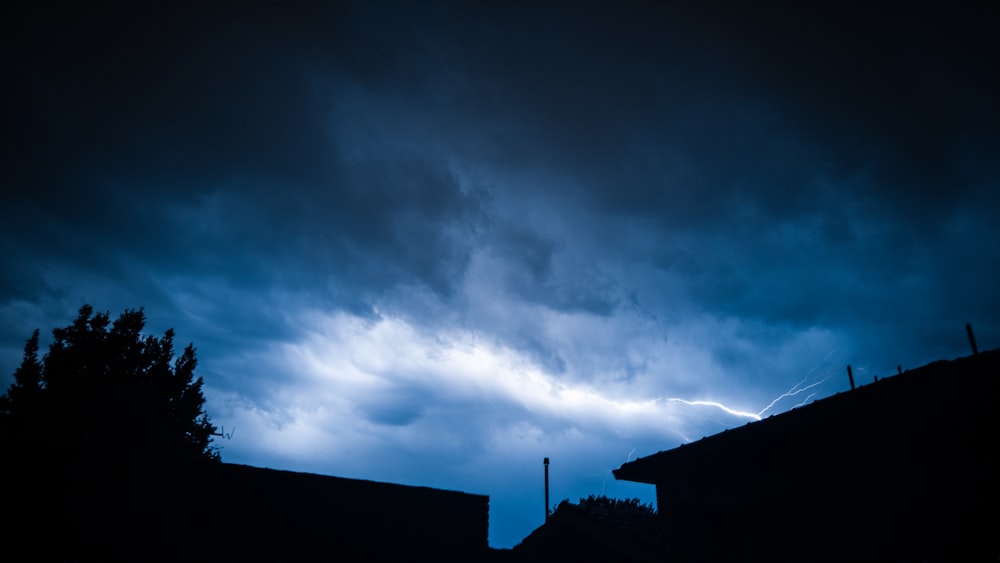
548, 512
972, 339
850, 376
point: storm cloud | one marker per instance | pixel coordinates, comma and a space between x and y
431, 243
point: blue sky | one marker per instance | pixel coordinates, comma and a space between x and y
432, 243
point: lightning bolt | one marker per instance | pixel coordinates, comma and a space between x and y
795, 390
720, 406
804, 401
628, 458
798, 387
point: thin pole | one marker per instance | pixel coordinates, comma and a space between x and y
547, 510
850, 375
972, 339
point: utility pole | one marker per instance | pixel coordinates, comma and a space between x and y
547, 510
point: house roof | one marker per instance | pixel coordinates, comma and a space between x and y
942, 390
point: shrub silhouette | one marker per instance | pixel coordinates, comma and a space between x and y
105, 389
625, 506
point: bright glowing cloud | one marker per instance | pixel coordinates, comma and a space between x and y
458, 403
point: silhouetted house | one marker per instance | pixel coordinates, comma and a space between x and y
225, 512
902, 469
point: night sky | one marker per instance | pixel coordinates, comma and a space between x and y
432, 243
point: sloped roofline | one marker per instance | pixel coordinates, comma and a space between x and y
732, 442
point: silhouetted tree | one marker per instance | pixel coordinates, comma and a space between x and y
23, 396
106, 389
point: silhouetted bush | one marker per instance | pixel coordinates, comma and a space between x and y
630, 506
605, 505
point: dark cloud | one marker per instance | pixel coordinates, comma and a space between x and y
433, 243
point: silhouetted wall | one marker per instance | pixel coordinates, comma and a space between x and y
162, 510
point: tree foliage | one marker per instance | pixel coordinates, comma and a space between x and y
631, 506
106, 388
604, 505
